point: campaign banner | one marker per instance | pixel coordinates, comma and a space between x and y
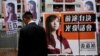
33, 6
10, 16
71, 33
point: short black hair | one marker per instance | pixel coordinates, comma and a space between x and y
27, 15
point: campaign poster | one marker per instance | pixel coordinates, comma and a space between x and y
88, 5
33, 6
71, 33
8, 38
10, 16
57, 43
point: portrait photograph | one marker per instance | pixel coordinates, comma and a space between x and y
89, 5
33, 6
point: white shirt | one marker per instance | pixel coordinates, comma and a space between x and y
58, 44
30, 21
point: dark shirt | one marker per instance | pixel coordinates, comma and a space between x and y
32, 41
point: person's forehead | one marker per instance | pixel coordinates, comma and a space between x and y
56, 19
8, 6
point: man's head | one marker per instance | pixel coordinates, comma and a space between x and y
27, 16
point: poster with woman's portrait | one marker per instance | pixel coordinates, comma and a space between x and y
57, 43
33, 6
89, 5
70, 33
10, 17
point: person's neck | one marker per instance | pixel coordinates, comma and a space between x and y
53, 32
31, 11
31, 21
10, 14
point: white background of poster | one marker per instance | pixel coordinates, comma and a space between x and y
91, 50
74, 45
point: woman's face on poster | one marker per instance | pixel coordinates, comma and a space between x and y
55, 24
9, 9
30, 7
87, 7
